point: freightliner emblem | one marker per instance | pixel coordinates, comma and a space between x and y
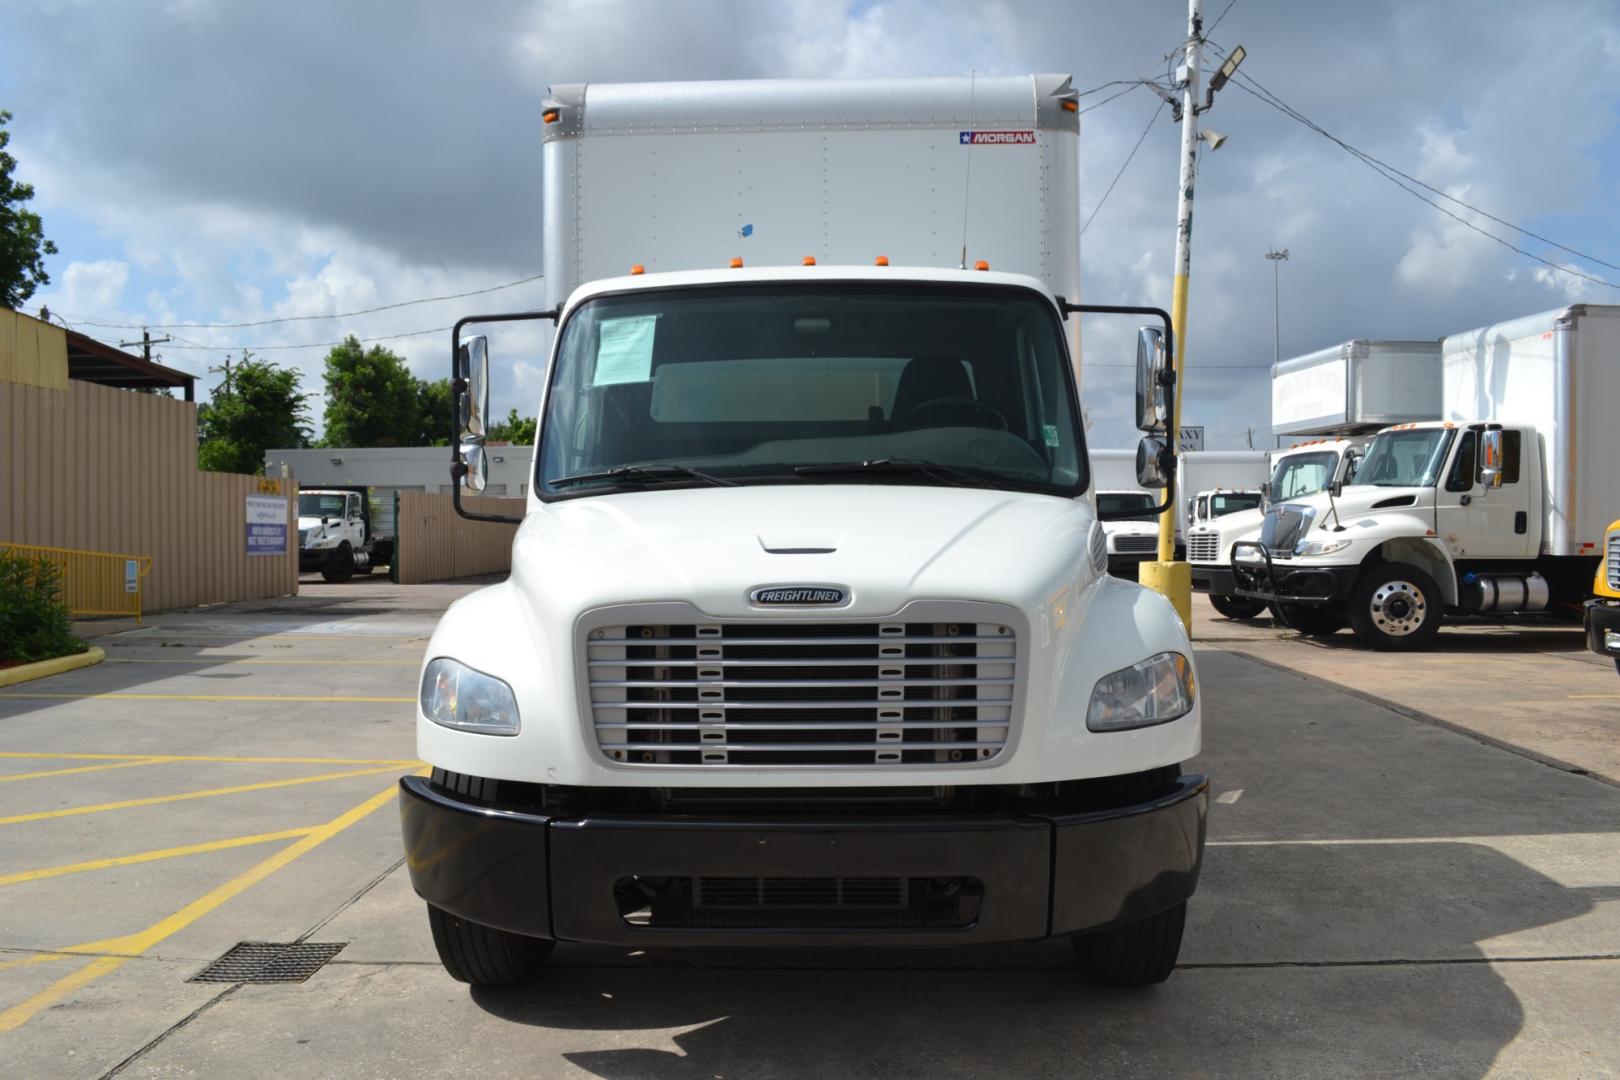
798, 594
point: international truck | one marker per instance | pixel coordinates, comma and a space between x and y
809, 639
337, 535
1497, 509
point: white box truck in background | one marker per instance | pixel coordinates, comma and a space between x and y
808, 637
1498, 508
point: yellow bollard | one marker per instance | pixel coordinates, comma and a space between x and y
1174, 581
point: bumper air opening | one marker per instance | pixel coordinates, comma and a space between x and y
793, 903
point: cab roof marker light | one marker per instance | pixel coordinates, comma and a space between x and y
882, 260
981, 265
637, 269
809, 260
736, 264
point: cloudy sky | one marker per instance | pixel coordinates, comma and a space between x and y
204, 161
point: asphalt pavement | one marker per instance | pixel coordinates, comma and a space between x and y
1414, 869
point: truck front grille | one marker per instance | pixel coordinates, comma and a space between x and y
756, 694
1135, 545
1614, 561
1203, 547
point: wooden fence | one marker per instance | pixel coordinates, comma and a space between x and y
100, 469
434, 543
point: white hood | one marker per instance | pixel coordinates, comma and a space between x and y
887, 544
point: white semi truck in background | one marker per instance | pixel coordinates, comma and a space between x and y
1133, 535
1334, 400
808, 638
338, 533
1499, 508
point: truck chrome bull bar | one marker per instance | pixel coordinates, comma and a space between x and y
1247, 578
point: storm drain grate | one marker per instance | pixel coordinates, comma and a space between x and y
269, 962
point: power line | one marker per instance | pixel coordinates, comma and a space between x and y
316, 344
307, 318
1128, 158
1113, 97
1403, 181
1219, 17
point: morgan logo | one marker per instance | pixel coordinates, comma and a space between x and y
997, 138
798, 594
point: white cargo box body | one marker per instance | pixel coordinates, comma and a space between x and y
1356, 387
1207, 470
1558, 371
683, 176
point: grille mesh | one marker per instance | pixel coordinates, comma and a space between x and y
795, 694
1614, 561
1203, 547
1135, 545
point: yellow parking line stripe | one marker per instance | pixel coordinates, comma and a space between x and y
200, 697
138, 943
404, 763
36, 958
151, 856
260, 660
8, 777
153, 800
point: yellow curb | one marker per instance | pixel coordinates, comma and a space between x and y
11, 676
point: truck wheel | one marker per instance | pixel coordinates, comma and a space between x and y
483, 955
1312, 621
1396, 606
1136, 954
1236, 607
340, 567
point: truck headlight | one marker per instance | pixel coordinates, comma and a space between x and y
1320, 547
456, 696
1157, 690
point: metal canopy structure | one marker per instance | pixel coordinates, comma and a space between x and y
90, 360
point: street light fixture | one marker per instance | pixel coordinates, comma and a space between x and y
1277, 259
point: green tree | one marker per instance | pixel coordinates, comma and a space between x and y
437, 411
23, 246
372, 399
515, 429
259, 407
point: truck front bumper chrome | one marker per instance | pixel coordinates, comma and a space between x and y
1275, 580
869, 880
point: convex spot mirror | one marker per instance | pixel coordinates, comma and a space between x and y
1151, 453
1490, 458
1150, 367
472, 406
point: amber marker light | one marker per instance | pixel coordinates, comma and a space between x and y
809, 260
736, 264
551, 116
981, 265
637, 269
882, 260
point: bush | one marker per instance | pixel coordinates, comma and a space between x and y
34, 621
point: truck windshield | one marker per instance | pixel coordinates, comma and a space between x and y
1122, 502
311, 504
847, 382
1231, 503
1410, 458
1303, 474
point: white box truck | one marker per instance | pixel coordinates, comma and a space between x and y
1356, 388
808, 637
1498, 508
1230, 478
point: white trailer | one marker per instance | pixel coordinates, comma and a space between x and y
809, 637
1501, 508
1203, 471
1355, 388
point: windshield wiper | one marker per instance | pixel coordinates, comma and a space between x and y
898, 466
645, 473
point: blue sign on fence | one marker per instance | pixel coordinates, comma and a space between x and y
266, 525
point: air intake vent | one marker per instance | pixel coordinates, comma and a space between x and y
1394, 501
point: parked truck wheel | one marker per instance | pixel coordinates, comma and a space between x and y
1310, 620
483, 955
1236, 607
340, 567
1136, 954
1396, 606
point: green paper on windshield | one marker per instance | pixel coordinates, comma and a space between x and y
624, 350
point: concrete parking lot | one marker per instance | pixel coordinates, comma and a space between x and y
1414, 869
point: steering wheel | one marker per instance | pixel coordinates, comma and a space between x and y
937, 412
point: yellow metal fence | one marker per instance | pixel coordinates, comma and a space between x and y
93, 582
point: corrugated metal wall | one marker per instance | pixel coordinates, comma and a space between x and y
434, 543
103, 469
32, 352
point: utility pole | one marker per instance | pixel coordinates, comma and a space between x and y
227, 370
1277, 259
146, 343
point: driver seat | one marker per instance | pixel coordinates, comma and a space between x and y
929, 378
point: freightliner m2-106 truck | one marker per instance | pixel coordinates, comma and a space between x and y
808, 637
1498, 509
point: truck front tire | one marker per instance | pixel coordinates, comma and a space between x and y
483, 955
1237, 607
1310, 620
340, 567
1136, 954
1396, 606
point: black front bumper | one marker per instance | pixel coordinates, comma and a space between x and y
1274, 580
310, 560
1602, 618
1213, 579
1039, 875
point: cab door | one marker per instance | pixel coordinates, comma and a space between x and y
354, 526
1480, 522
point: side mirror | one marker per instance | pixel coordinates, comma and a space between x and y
1151, 415
1265, 492
472, 406
1490, 458
1336, 488
1151, 455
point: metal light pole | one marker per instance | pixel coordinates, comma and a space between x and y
1277, 259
